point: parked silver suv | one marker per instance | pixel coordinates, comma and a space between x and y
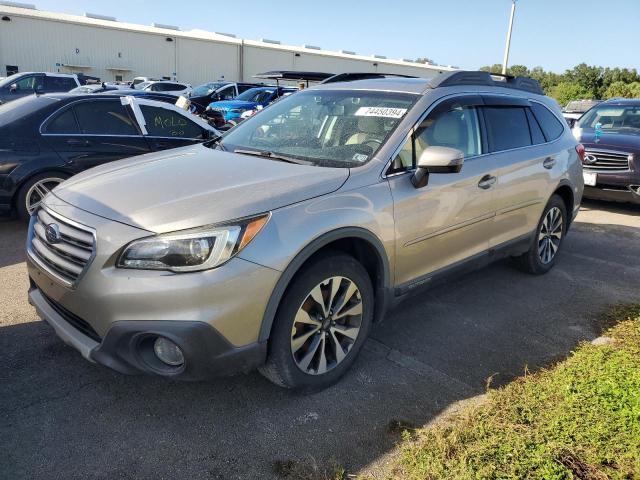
280, 244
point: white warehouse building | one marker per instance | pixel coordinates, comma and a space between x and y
99, 46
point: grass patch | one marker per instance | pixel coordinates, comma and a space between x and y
578, 419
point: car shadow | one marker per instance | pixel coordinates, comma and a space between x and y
13, 235
65, 417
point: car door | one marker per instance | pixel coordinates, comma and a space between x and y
450, 219
26, 85
170, 127
523, 162
88, 133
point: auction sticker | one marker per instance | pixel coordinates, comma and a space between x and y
386, 112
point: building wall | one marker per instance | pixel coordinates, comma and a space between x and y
42, 41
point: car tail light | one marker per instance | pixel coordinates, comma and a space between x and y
581, 152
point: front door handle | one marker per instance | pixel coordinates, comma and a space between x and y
486, 182
549, 162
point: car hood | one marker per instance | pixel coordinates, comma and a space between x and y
194, 186
228, 105
613, 141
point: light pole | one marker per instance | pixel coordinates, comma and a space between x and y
508, 45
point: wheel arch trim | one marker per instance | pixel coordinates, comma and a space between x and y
383, 292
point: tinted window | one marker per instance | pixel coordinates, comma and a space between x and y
537, 137
507, 128
551, 126
64, 122
28, 84
450, 125
163, 122
227, 94
59, 84
104, 118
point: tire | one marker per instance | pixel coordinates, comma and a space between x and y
300, 324
36, 186
547, 241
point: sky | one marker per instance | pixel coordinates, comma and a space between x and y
554, 34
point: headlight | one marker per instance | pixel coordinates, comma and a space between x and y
191, 250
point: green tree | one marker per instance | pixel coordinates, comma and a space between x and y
425, 60
564, 92
622, 89
588, 77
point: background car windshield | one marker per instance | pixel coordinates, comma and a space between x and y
205, 89
256, 95
617, 118
334, 128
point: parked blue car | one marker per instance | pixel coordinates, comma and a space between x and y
249, 100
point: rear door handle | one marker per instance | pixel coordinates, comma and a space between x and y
486, 182
74, 142
549, 162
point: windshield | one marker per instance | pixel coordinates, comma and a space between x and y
257, 95
206, 89
86, 89
612, 118
337, 128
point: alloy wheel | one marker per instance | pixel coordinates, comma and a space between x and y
39, 190
550, 235
326, 325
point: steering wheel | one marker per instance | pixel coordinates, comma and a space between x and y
376, 143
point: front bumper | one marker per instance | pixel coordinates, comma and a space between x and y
127, 347
618, 194
111, 315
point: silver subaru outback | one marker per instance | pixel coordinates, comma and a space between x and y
278, 245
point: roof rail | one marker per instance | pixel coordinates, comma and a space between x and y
294, 75
461, 77
351, 77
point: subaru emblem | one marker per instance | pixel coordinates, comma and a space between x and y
52, 232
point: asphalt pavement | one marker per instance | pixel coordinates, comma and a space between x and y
62, 417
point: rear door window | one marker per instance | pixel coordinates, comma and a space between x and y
58, 84
537, 137
164, 122
549, 123
507, 128
63, 123
104, 117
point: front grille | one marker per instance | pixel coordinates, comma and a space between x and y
73, 319
608, 161
69, 256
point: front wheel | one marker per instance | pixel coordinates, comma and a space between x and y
321, 324
548, 239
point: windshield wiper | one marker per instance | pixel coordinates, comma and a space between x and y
273, 156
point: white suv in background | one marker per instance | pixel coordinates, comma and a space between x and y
27, 83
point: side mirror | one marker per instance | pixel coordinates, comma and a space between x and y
436, 160
13, 88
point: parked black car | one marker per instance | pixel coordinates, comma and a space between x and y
46, 139
27, 83
610, 133
203, 95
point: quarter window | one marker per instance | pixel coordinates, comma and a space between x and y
65, 122
163, 122
551, 126
507, 128
104, 118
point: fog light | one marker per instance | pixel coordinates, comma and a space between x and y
168, 352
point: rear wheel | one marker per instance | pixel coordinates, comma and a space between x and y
548, 239
34, 190
321, 325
